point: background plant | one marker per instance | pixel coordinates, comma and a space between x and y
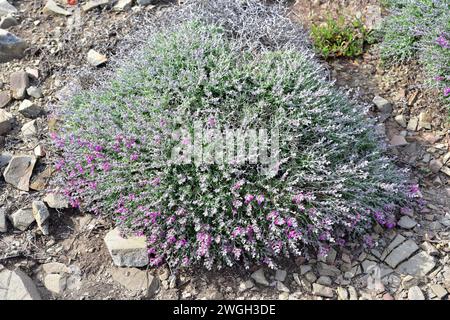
420, 29
231, 68
336, 38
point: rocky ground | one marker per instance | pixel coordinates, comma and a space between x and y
48, 251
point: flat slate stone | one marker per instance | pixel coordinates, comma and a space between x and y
406, 222
419, 265
16, 285
401, 253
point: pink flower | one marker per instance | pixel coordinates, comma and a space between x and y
260, 199
249, 198
106, 166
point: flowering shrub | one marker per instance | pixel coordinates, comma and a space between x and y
420, 28
116, 142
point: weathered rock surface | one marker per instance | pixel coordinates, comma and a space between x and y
51, 7
92, 4
401, 253
11, 46
19, 83
16, 285
419, 265
414, 293
406, 222
30, 129
56, 201
322, 291
5, 121
28, 109
3, 225
41, 215
136, 280
127, 252
5, 99
6, 8
96, 59
19, 170
22, 218
56, 283
260, 277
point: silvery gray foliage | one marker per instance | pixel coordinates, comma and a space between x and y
235, 67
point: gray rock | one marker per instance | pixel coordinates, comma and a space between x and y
414, 293
429, 248
246, 285
16, 285
439, 291
51, 7
19, 84
282, 287
280, 275
382, 105
41, 215
11, 46
259, 277
419, 265
5, 99
3, 225
55, 283
19, 170
401, 120
30, 129
435, 165
327, 270
394, 243
146, 2
413, 124
5, 157
123, 5
34, 92
55, 267
6, 8
22, 218
322, 291
56, 201
8, 22
409, 281
28, 109
425, 119
127, 252
406, 222
311, 277
342, 293
401, 253
96, 59
398, 141
136, 280
325, 281
92, 4
5, 121
305, 269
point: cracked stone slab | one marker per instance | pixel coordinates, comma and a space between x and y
401, 253
16, 285
419, 265
399, 239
